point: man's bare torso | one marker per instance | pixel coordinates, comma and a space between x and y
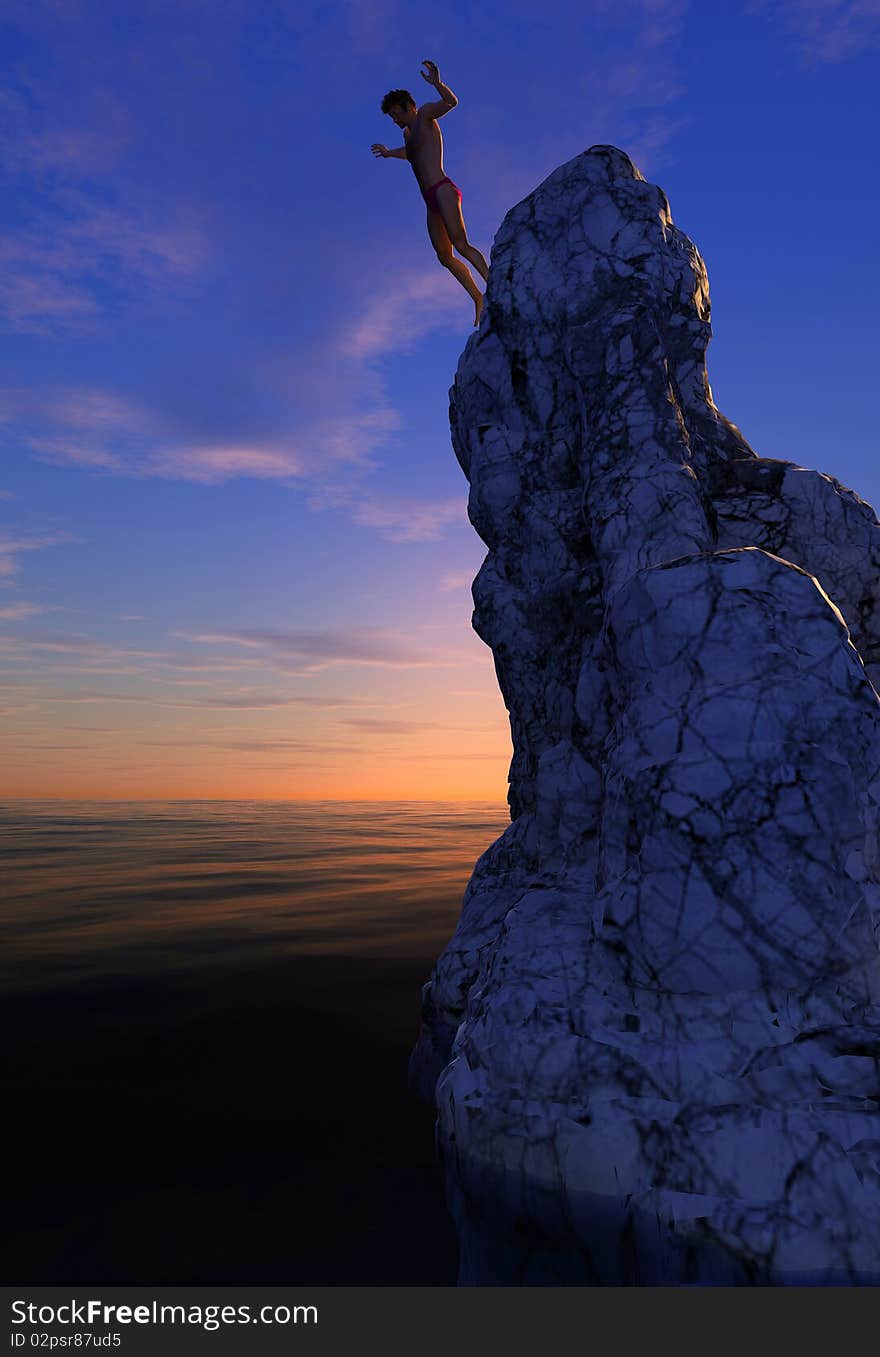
424, 150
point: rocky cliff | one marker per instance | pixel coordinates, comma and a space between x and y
654, 1039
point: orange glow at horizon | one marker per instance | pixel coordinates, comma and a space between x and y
437, 765
429, 725
485, 780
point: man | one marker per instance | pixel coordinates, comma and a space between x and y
423, 148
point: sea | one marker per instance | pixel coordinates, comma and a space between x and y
209, 1007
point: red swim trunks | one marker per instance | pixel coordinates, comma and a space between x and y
430, 194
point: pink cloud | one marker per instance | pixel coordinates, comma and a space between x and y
409, 520
393, 320
456, 579
212, 465
16, 611
313, 652
101, 429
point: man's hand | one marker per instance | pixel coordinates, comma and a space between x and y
378, 149
432, 75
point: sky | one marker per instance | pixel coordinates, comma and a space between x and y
235, 559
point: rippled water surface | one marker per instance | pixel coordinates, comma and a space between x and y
210, 1008
185, 883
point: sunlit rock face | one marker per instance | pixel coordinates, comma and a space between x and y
653, 1040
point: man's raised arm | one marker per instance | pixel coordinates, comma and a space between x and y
399, 153
447, 98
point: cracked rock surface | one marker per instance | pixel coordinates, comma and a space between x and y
654, 1038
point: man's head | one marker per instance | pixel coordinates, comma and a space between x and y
400, 107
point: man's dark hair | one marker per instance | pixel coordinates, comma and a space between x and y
402, 98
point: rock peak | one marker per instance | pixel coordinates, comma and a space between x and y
654, 1036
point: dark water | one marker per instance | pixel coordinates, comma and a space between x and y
208, 1009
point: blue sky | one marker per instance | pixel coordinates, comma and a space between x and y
234, 551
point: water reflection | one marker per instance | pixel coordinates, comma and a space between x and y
190, 883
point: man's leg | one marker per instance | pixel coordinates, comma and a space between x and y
443, 245
449, 204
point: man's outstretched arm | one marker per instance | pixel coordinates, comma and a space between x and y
399, 153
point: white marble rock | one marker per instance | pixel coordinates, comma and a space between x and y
654, 1038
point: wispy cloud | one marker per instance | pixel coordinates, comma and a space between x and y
311, 701
394, 318
245, 702
85, 239
169, 666
501, 757
313, 451
87, 426
88, 410
89, 142
56, 268
408, 520
40, 691
380, 727
40, 303
313, 652
257, 746
12, 546
267, 652
16, 611
456, 579
826, 31
214, 465
101, 429
67, 645
75, 452
73, 698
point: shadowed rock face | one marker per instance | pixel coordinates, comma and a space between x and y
654, 1039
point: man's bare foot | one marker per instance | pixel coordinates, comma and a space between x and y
478, 303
